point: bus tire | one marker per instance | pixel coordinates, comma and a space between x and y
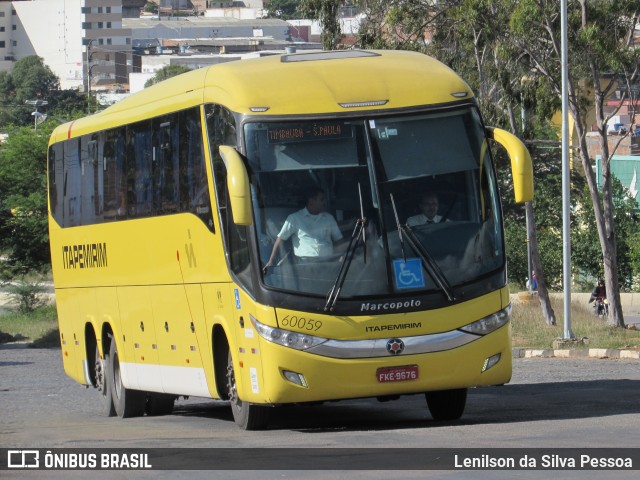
245, 415
127, 402
159, 404
447, 404
101, 383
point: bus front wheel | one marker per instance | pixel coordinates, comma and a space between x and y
246, 416
447, 404
102, 384
127, 402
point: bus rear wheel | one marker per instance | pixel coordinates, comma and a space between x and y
246, 416
127, 402
447, 404
100, 369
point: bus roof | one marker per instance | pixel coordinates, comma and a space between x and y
293, 84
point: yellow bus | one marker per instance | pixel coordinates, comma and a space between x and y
165, 208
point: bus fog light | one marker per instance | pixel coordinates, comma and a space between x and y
296, 378
491, 361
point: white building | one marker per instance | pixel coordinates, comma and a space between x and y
59, 31
49, 29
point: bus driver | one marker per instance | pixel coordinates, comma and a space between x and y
313, 230
429, 207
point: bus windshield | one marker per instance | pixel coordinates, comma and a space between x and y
410, 202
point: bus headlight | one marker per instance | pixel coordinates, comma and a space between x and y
286, 338
489, 324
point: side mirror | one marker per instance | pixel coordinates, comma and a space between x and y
521, 165
238, 185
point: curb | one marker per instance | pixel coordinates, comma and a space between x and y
575, 353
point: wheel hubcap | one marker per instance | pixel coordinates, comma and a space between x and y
231, 385
99, 377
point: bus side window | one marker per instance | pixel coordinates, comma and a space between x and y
113, 165
165, 157
72, 186
194, 186
56, 175
139, 169
90, 174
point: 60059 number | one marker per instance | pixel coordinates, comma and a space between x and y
302, 323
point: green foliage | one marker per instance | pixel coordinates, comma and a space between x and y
516, 246
151, 7
399, 25
67, 105
26, 296
283, 9
326, 12
586, 251
30, 79
166, 72
23, 200
34, 325
508, 52
29, 242
526, 332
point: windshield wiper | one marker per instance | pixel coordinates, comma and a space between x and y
395, 213
358, 232
430, 265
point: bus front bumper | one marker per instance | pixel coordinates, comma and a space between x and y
285, 375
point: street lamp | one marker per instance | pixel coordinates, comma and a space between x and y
38, 117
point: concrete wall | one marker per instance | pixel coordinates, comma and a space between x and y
630, 301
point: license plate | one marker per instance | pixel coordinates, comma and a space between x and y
397, 374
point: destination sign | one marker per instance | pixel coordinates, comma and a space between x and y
308, 131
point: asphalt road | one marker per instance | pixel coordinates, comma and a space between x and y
550, 403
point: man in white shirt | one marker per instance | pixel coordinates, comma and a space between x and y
429, 207
313, 230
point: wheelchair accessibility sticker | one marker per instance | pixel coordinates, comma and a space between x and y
408, 274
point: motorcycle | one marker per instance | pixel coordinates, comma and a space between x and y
601, 307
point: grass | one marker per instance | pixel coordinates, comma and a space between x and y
30, 326
529, 329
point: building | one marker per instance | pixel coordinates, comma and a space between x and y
49, 29
107, 44
76, 38
94, 45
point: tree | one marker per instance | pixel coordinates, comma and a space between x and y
23, 200
586, 251
66, 105
33, 79
600, 41
151, 7
514, 48
283, 9
30, 79
326, 12
470, 37
166, 72
401, 25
